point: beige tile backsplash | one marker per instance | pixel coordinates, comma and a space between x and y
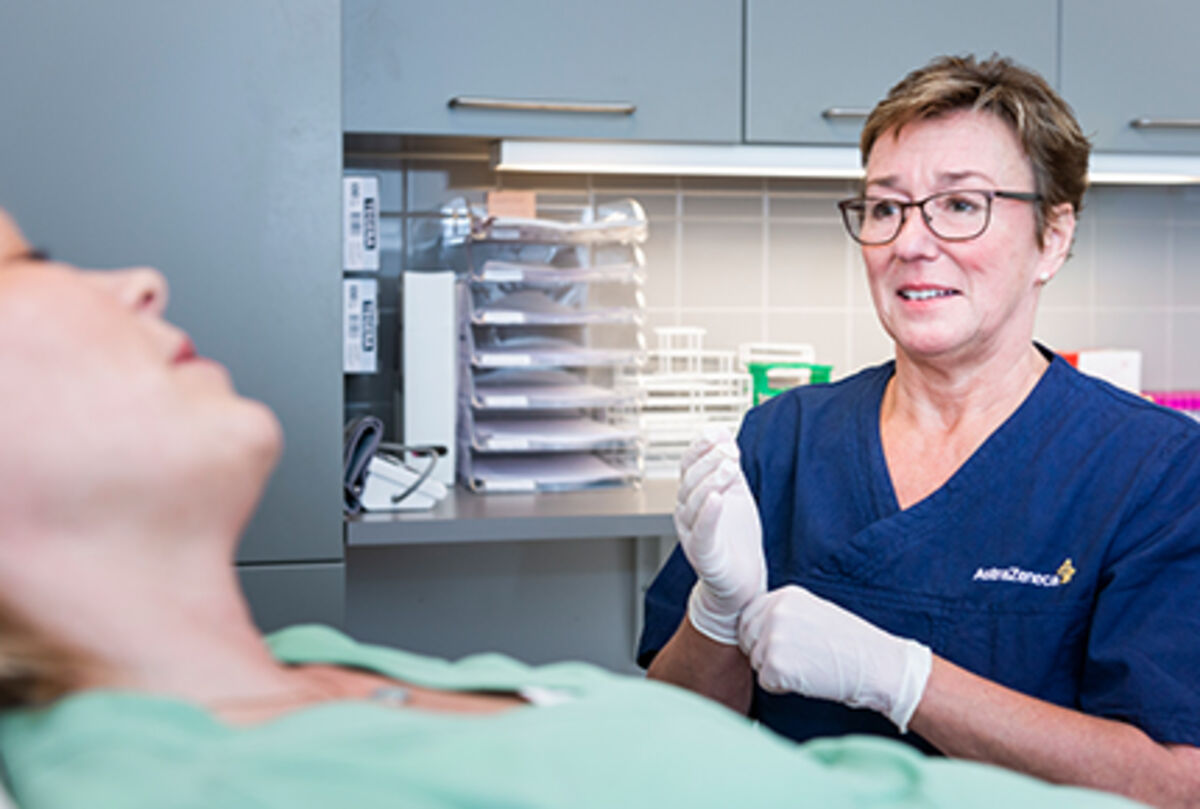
774, 264
768, 260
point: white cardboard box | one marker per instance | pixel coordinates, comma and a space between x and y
430, 357
1121, 367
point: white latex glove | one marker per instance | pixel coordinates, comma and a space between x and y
719, 529
798, 642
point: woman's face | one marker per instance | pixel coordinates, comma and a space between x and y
109, 412
960, 300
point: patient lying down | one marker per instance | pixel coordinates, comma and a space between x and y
132, 675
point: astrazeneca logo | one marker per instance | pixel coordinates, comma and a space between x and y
1015, 575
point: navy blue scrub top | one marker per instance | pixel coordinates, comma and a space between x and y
1062, 559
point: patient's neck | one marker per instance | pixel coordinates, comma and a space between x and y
171, 621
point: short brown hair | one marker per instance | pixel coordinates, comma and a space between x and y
1042, 121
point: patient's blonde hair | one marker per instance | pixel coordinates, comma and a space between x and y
33, 670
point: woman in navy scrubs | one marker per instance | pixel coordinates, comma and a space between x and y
973, 547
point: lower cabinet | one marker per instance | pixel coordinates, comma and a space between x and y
282, 595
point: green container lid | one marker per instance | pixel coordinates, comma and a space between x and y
771, 378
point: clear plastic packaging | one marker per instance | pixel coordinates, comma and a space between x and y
620, 222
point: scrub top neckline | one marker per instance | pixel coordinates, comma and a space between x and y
1021, 421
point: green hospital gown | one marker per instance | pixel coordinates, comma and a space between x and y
620, 742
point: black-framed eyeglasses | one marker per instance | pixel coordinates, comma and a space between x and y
955, 216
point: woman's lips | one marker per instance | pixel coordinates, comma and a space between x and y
920, 293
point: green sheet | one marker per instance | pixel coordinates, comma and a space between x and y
621, 742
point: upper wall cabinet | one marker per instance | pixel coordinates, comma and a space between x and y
814, 69
1129, 71
627, 69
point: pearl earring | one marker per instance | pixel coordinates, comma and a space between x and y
1044, 278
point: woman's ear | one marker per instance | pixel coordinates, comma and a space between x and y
1057, 238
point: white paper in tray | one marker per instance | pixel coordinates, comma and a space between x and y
495, 271
533, 307
521, 397
542, 472
520, 389
557, 353
539, 434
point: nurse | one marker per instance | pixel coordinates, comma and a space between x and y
973, 546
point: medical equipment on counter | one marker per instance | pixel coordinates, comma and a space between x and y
682, 388
392, 485
376, 478
550, 311
776, 367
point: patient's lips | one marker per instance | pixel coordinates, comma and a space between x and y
186, 350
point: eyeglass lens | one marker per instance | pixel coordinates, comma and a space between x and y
950, 215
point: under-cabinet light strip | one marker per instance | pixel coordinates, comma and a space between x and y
746, 160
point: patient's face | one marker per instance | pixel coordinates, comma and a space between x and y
107, 408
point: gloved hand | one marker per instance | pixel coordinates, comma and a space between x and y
719, 529
798, 642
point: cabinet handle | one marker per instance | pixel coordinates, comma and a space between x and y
1165, 123
839, 113
601, 107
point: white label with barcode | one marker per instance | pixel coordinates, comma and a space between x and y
360, 220
360, 327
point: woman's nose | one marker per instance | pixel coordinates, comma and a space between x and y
142, 289
915, 239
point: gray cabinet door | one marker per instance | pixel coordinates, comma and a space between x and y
282, 595
203, 139
677, 62
805, 58
1124, 61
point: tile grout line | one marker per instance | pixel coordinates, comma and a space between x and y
1170, 353
764, 263
678, 295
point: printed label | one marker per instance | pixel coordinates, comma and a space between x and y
360, 327
360, 232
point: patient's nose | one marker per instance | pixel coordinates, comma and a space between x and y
142, 289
